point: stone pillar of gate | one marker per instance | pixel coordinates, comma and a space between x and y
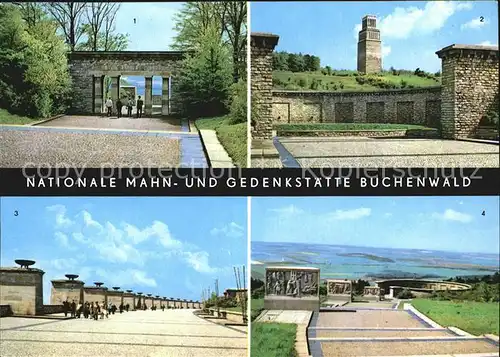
261, 68
148, 96
469, 87
115, 90
98, 92
165, 102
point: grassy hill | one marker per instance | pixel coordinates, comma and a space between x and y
344, 81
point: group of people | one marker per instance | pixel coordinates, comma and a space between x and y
129, 103
93, 310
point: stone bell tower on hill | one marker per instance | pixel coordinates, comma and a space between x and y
369, 46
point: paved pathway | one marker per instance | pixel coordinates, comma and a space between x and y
49, 146
376, 331
372, 152
217, 155
169, 333
104, 122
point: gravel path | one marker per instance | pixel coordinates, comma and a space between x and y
51, 148
346, 349
139, 333
368, 318
75, 121
366, 152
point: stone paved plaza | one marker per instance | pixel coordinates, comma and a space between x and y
367, 152
49, 146
169, 333
113, 122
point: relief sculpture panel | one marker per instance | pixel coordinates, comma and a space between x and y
292, 282
339, 287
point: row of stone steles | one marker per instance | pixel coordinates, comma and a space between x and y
24, 292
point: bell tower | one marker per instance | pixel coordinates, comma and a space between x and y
369, 46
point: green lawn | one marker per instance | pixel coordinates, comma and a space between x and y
477, 318
347, 126
8, 118
232, 308
232, 136
256, 305
347, 81
273, 340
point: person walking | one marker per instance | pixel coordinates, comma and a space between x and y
79, 310
109, 107
140, 103
73, 309
65, 307
119, 106
130, 105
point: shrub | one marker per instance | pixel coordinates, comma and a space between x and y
341, 85
302, 83
405, 294
403, 83
238, 106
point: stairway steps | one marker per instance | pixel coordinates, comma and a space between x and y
381, 333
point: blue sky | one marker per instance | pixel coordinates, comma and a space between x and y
411, 31
434, 223
171, 247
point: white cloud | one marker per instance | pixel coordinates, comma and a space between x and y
62, 239
474, 24
125, 278
452, 215
230, 230
199, 262
387, 214
288, 210
61, 220
487, 43
350, 214
408, 21
63, 264
356, 30
386, 50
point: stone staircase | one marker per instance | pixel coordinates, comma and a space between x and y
391, 333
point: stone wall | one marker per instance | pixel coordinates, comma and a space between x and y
84, 66
470, 87
261, 65
94, 294
53, 309
22, 289
129, 299
115, 298
63, 290
406, 106
5, 310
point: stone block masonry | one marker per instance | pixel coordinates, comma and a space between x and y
470, 88
88, 68
403, 106
261, 69
22, 289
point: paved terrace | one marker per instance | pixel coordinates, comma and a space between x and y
96, 141
373, 152
169, 333
374, 331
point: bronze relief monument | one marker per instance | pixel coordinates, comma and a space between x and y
292, 288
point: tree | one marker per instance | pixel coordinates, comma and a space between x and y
69, 17
234, 22
99, 16
203, 86
34, 77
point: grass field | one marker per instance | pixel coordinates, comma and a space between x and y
232, 136
477, 318
256, 305
345, 81
8, 118
347, 126
273, 340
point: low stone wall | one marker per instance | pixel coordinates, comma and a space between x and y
52, 309
404, 106
413, 133
5, 310
486, 133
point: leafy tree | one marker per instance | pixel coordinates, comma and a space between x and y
34, 77
203, 86
238, 102
69, 18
